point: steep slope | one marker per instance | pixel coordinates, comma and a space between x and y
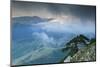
76, 54
86, 54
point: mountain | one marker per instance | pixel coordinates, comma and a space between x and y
74, 42
86, 53
41, 56
30, 19
34, 44
27, 19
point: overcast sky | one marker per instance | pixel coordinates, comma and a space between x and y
48, 10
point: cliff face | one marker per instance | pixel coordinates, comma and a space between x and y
85, 54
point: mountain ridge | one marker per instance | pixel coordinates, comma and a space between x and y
30, 19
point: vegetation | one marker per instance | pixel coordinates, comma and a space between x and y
85, 54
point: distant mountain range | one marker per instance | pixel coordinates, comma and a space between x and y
30, 19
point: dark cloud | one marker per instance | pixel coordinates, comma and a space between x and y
51, 9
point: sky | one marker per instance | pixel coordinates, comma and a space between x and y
51, 10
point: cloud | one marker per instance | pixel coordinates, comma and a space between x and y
66, 31
76, 26
51, 10
43, 39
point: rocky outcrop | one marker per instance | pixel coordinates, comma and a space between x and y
86, 53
